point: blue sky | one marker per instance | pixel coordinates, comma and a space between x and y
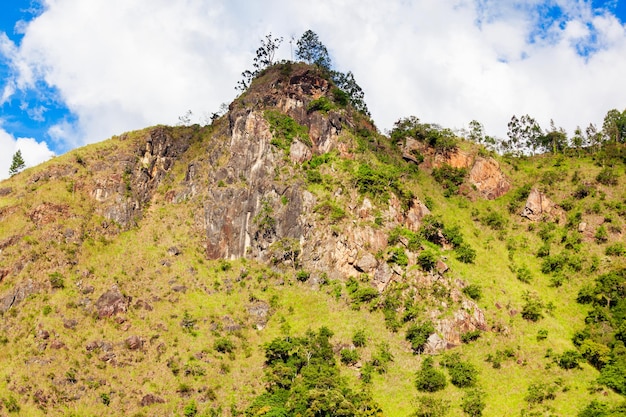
73, 73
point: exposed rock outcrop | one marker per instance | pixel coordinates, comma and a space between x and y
539, 207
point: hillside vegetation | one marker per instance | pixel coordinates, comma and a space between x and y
289, 259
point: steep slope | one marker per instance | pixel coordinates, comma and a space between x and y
147, 274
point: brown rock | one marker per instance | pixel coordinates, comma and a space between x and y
299, 152
70, 323
150, 399
133, 343
539, 206
112, 302
488, 179
366, 263
57, 344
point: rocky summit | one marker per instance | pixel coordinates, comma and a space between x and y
289, 259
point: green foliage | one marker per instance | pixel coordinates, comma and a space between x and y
431, 229
441, 139
462, 374
285, 129
417, 334
330, 210
473, 291
302, 276
302, 376
607, 176
191, 409
56, 280
494, 220
539, 392
473, 402
523, 274
570, 359
601, 234
465, 253
398, 256
17, 163
398, 232
377, 181
533, 307
341, 97
449, 177
322, 104
11, 404
470, 336
264, 58
429, 379
311, 50
349, 356
616, 249
359, 338
431, 407
264, 219
347, 84
542, 334
223, 345
427, 260
599, 409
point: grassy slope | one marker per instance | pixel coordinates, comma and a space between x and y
133, 261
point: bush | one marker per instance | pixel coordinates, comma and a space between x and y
56, 280
493, 220
607, 176
462, 374
449, 177
473, 291
523, 274
349, 356
616, 249
285, 129
418, 335
359, 339
429, 379
533, 308
601, 235
302, 275
427, 260
431, 407
473, 403
569, 359
223, 345
470, 336
540, 392
322, 104
465, 254
191, 409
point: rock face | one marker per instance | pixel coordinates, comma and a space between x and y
488, 179
539, 206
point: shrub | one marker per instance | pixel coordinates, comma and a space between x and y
449, 177
453, 235
364, 294
523, 274
540, 392
431, 407
473, 291
11, 404
427, 260
285, 129
473, 403
398, 256
359, 339
191, 409
223, 345
569, 359
56, 280
494, 220
601, 235
542, 334
302, 275
341, 97
322, 104
533, 308
607, 176
465, 254
428, 378
616, 249
470, 336
349, 356
462, 374
418, 335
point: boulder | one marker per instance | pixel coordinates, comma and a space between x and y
488, 179
111, 303
539, 206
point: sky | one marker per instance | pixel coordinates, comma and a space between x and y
74, 72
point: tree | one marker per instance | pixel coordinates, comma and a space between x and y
524, 133
614, 126
17, 164
476, 132
347, 83
312, 51
263, 59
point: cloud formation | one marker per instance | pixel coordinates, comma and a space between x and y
33, 152
120, 65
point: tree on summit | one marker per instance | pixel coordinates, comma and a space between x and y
264, 58
312, 51
17, 164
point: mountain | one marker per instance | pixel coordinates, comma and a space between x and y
291, 259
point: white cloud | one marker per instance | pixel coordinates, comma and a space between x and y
33, 152
121, 65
